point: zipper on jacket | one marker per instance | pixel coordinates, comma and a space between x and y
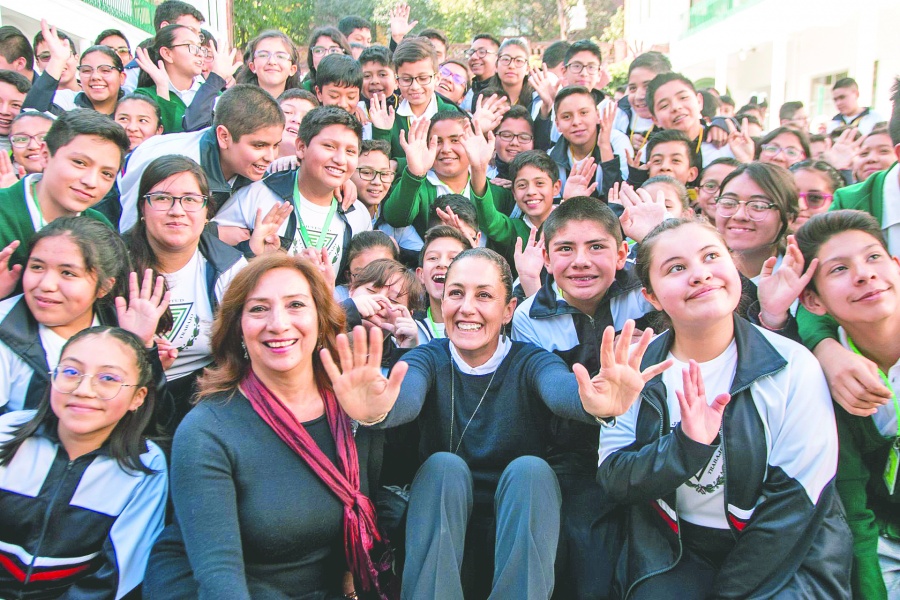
677, 522
50, 505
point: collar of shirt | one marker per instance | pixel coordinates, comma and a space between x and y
891, 207
195, 85
492, 364
443, 188
405, 110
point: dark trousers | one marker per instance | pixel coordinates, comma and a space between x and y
527, 507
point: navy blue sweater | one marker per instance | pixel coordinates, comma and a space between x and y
513, 420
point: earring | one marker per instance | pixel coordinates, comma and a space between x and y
244, 347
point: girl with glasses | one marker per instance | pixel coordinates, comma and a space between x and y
83, 491
171, 239
512, 75
453, 80
76, 277
171, 72
271, 59
26, 136
756, 206
816, 183
783, 147
101, 74
322, 42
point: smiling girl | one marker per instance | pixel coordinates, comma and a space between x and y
82, 492
272, 60
726, 463
101, 74
170, 238
76, 277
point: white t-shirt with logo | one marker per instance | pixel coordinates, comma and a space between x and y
192, 314
701, 500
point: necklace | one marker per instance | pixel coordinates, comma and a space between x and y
453, 406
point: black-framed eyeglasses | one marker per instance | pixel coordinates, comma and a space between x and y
506, 59
407, 80
577, 67
320, 50
21, 140
87, 71
266, 55
189, 202
815, 199
479, 52
66, 379
756, 210
369, 174
194, 49
508, 136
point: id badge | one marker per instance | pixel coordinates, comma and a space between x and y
892, 466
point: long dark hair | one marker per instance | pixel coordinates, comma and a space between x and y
102, 250
330, 32
164, 38
126, 441
136, 240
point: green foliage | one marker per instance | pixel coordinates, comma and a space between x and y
459, 19
618, 74
615, 30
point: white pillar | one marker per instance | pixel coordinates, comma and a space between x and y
779, 77
722, 72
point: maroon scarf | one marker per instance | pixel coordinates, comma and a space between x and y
360, 530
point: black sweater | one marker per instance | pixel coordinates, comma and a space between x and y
255, 520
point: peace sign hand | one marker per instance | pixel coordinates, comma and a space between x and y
619, 383
742, 145
699, 421
362, 391
264, 238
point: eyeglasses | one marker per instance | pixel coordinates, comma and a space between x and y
756, 210
815, 199
773, 150
66, 379
506, 59
43, 57
193, 49
266, 55
21, 140
454, 77
320, 50
406, 80
163, 201
86, 71
577, 67
508, 136
368, 174
122, 51
710, 187
479, 52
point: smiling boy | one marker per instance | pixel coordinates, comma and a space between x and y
83, 151
328, 146
236, 151
416, 68
857, 283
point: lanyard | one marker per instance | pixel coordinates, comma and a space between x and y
887, 383
434, 331
37, 204
646, 138
305, 234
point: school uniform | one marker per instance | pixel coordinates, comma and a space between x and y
879, 195
306, 224
172, 109
756, 513
201, 146
79, 528
607, 172
21, 217
872, 507
864, 122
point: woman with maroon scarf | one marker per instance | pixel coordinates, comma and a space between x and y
268, 474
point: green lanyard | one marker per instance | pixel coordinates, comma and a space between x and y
887, 383
431, 324
37, 204
305, 234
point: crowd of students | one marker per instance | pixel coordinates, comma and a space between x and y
392, 323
